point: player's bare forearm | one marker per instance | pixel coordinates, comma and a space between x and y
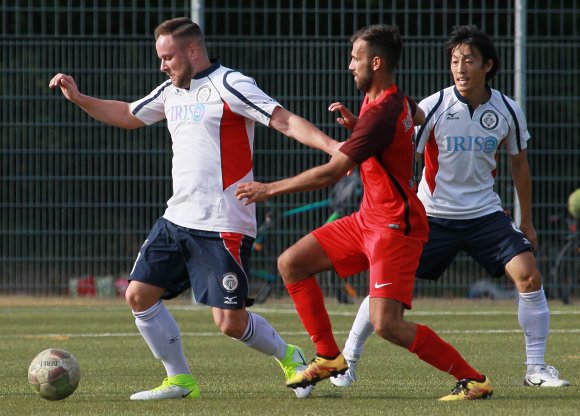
111, 112
309, 180
114, 113
523, 182
301, 130
522, 178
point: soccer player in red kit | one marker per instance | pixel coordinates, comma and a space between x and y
386, 235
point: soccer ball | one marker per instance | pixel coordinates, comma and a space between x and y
574, 204
54, 374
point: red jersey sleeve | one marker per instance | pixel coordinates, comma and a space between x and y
373, 132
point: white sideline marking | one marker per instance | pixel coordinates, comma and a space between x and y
291, 310
293, 333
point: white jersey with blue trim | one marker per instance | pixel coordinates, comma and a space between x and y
212, 130
460, 147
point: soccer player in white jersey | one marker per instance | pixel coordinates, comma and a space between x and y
204, 238
464, 128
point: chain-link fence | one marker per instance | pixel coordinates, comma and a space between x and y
78, 198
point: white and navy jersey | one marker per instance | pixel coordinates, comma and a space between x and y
212, 130
460, 148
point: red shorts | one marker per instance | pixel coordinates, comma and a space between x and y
391, 257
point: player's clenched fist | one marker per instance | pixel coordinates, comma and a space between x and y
67, 86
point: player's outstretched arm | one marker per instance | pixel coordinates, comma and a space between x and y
347, 119
315, 178
299, 129
523, 182
113, 113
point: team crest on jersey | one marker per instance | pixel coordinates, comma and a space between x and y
230, 282
203, 93
489, 120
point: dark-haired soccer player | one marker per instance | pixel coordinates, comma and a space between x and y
465, 125
387, 234
204, 238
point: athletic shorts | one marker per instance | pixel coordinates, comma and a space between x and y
213, 264
389, 255
492, 240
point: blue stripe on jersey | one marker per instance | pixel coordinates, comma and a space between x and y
421, 129
144, 103
439, 101
517, 124
241, 96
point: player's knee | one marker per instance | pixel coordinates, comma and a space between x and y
528, 281
230, 323
231, 328
389, 329
287, 266
138, 299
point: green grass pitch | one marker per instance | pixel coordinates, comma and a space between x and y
236, 380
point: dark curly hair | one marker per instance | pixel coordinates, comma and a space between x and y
384, 41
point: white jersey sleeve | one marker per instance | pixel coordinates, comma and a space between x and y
245, 98
518, 136
151, 109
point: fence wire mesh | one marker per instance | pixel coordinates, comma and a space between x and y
78, 197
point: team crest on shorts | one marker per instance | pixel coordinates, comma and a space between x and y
489, 120
230, 282
203, 93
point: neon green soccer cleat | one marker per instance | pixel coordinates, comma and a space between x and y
470, 389
293, 364
319, 369
181, 386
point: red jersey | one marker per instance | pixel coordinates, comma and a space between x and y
382, 144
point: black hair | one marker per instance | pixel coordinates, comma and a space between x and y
384, 41
472, 36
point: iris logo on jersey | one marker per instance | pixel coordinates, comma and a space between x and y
230, 282
489, 120
471, 144
192, 112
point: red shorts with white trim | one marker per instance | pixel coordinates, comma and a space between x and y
391, 257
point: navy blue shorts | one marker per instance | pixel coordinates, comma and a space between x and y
492, 240
213, 264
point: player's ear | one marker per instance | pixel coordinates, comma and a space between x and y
488, 65
193, 49
377, 63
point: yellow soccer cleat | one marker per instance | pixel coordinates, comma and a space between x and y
293, 364
181, 386
319, 369
470, 389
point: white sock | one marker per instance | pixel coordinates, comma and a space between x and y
161, 333
359, 333
534, 318
261, 336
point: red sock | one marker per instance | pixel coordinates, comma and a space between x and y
309, 304
430, 348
